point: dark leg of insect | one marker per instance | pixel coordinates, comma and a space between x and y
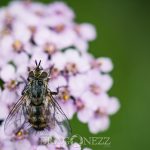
24, 80
57, 90
54, 93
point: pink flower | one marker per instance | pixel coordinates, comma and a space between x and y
100, 121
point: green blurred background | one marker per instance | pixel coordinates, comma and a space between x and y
123, 28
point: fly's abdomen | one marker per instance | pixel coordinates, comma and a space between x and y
37, 117
38, 123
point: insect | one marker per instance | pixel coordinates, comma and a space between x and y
37, 110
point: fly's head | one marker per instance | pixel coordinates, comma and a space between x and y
38, 75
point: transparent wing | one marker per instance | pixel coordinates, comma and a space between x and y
16, 118
58, 118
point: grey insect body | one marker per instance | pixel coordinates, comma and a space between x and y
37, 110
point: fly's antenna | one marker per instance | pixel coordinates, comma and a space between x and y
38, 64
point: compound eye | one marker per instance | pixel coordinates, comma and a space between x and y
43, 75
31, 74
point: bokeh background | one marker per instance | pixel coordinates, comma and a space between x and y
123, 29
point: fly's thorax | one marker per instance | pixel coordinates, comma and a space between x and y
38, 81
37, 92
37, 88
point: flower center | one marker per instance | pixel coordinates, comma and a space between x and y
95, 64
7, 24
49, 48
77, 30
18, 46
39, 13
5, 31
65, 94
8, 19
101, 112
32, 29
20, 135
59, 12
94, 88
71, 67
59, 28
79, 104
54, 72
11, 85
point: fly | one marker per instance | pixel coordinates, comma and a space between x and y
37, 110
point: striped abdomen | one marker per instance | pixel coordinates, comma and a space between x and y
37, 117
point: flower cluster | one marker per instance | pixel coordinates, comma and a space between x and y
34, 31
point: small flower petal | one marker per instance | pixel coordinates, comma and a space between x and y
84, 115
7, 72
98, 124
87, 31
75, 146
23, 145
41, 147
113, 106
106, 64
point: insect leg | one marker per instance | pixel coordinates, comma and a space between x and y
58, 89
54, 93
24, 80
